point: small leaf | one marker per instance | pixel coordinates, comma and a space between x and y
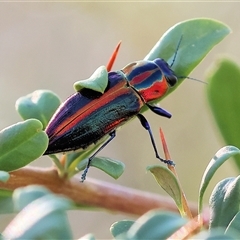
4, 176
223, 96
198, 35
224, 202
112, 167
21, 144
40, 104
120, 227
155, 225
97, 82
166, 179
44, 218
6, 202
220, 157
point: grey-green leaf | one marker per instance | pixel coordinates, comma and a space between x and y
21, 144
166, 179
89, 236
216, 234
25, 195
224, 202
234, 225
40, 104
113, 168
224, 100
121, 227
220, 157
155, 225
198, 35
97, 82
44, 218
4, 176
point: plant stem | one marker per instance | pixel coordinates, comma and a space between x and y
58, 165
92, 192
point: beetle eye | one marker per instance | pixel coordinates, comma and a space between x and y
172, 80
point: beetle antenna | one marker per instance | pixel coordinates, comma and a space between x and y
113, 57
195, 79
175, 54
174, 58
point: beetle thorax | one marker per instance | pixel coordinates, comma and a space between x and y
147, 79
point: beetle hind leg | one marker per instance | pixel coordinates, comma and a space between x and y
112, 136
146, 125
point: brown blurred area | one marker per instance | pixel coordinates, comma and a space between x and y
52, 45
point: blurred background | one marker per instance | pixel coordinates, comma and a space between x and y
52, 45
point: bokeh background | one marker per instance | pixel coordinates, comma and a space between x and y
52, 45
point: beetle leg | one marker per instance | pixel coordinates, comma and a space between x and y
146, 125
159, 111
112, 136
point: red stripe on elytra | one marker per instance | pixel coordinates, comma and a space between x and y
91, 107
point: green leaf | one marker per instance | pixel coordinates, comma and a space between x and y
199, 36
112, 167
224, 202
25, 195
224, 100
21, 143
4, 176
40, 104
155, 225
220, 157
121, 227
6, 202
97, 82
44, 218
166, 179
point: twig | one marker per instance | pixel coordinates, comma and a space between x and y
92, 192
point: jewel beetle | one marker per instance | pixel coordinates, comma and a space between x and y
88, 117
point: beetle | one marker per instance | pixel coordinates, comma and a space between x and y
88, 117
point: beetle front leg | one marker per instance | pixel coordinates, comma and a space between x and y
159, 111
112, 136
146, 125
